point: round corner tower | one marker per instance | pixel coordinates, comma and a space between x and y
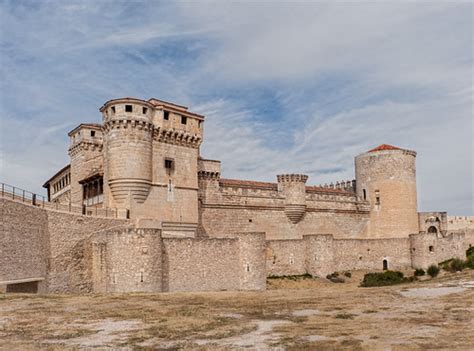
386, 178
128, 138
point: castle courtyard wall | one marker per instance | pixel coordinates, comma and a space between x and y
23, 242
70, 254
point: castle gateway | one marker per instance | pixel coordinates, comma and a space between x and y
139, 209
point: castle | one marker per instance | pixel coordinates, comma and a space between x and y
139, 209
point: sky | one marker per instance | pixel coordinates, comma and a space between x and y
298, 87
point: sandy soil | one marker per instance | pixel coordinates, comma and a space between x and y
296, 315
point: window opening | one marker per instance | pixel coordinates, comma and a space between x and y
128, 108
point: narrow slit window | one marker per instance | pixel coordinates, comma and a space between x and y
377, 197
166, 115
365, 194
128, 108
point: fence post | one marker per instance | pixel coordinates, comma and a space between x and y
3, 189
13, 193
34, 200
23, 200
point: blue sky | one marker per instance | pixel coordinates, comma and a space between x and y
285, 87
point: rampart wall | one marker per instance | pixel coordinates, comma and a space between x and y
24, 250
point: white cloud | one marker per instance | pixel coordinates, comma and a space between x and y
343, 77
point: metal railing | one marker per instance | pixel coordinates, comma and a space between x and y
28, 197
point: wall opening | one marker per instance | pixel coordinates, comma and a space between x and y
385, 265
113, 109
29, 287
166, 115
432, 229
431, 248
92, 133
377, 197
184, 120
128, 108
144, 110
247, 267
365, 194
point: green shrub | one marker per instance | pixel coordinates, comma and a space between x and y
382, 279
456, 265
445, 264
419, 272
433, 270
470, 261
470, 252
348, 274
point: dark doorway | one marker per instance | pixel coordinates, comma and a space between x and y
29, 287
432, 229
385, 265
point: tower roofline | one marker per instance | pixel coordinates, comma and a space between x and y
387, 147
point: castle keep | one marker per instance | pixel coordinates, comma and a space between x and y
139, 209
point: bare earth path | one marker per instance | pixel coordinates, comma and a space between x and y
295, 315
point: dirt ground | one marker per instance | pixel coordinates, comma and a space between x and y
306, 314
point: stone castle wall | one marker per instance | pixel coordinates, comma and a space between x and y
127, 260
24, 250
427, 249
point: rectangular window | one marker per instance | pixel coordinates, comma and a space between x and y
144, 110
200, 124
168, 164
113, 109
92, 133
377, 197
184, 120
166, 115
128, 108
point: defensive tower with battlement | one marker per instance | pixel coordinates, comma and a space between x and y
386, 178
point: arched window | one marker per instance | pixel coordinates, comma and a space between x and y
432, 229
385, 265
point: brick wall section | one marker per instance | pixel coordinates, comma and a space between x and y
370, 253
252, 272
127, 260
23, 241
201, 264
285, 257
320, 254
69, 262
428, 249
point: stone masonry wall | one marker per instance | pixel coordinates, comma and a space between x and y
70, 256
23, 241
201, 264
127, 260
428, 249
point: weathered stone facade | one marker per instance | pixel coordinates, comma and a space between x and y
179, 226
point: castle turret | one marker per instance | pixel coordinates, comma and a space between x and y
293, 188
128, 150
386, 178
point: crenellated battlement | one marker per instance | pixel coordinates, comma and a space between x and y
348, 185
176, 137
287, 178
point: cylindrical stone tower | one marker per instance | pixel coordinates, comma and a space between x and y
293, 188
386, 178
128, 133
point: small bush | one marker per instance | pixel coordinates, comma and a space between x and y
470, 252
470, 261
291, 277
433, 270
419, 272
445, 264
456, 265
382, 279
348, 274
